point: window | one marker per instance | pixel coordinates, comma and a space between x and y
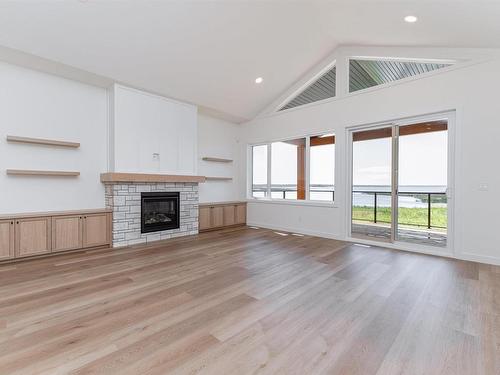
288, 169
259, 171
321, 89
368, 73
322, 168
287, 178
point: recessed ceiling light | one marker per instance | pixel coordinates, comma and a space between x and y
411, 19
259, 80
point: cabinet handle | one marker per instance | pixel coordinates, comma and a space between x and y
11, 223
17, 222
85, 217
80, 218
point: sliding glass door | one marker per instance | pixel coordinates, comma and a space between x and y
400, 183
423, 183
372, 203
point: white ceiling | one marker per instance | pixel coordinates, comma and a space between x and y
210, 52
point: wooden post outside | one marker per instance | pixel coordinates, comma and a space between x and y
301, 172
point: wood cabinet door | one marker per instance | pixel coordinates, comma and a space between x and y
241, 214
67, 233
96, 230
229, 215
33, 236
204, 218
217, 216
6, 239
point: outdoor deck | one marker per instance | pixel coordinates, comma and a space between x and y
418, 236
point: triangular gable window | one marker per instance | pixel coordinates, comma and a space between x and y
322, 88
368, 73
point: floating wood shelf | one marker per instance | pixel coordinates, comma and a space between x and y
30, 172
218, 160
219, 178
40, 141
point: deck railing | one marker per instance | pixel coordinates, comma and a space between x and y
379, 212
289, 192
424, 198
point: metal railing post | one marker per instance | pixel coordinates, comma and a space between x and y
374, 207
429, 211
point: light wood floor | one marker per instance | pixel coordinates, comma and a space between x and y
248, 301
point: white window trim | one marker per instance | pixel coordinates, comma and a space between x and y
268, 199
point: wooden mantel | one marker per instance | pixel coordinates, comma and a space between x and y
112, 177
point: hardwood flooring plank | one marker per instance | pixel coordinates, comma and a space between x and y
249, 301
134, 352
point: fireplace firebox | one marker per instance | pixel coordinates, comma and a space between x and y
159, 211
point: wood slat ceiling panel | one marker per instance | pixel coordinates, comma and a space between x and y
368, 73
321, 89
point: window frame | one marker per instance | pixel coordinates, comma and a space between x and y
268, 198
250, 170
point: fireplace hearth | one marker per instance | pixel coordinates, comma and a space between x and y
159, 211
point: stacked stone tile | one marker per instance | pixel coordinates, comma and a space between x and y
125, 201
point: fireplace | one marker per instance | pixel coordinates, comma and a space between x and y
159, 211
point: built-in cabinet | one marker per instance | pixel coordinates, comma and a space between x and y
229, 215
96, 230
39, 234
32, 236
67, 232
219, 215
6, 239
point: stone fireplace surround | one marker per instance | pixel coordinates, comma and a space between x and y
124, 199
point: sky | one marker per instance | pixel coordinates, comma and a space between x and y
284, 164
422, 162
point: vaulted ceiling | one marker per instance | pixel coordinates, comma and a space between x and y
210, 52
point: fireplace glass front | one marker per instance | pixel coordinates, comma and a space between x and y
159, 211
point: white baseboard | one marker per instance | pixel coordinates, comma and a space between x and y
447, 254
479, 258
296, 230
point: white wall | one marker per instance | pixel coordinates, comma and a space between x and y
147, 124
471, 90
35, 104
218, 138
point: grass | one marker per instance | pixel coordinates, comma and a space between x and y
407, 216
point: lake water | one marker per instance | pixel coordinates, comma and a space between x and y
363, 195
